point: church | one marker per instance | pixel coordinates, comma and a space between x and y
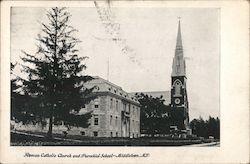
126, 112
117, 113
177, 98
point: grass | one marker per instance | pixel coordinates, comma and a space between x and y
28, 140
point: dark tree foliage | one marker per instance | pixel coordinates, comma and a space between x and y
19, 102
202, 128
177, 117
154, 117
55, 88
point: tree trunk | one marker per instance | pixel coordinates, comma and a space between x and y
49, 134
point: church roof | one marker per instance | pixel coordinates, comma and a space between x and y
166, 95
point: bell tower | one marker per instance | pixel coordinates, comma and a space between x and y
179, 99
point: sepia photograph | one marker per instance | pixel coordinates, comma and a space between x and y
110, 76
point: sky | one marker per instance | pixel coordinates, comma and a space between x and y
149, 34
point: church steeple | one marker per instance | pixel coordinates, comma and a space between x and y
179, 100
179, 40
178, 67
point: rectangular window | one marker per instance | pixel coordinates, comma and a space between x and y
95, 133
96, 103
111, 103
116, 120
116, 105
124, 107
96, 121
111, 120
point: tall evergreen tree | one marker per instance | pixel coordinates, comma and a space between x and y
55, 84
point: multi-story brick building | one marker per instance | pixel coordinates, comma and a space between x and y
115, 112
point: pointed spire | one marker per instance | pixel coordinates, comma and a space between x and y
179, 39
178, 67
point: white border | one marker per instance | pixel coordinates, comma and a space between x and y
234, 90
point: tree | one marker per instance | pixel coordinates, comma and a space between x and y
154, 115
210, 127
54, 89
217, 134
18, 100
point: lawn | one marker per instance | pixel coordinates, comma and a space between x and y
29, 140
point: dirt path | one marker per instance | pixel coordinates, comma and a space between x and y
205, 144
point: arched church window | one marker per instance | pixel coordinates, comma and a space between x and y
177, 86
177, 90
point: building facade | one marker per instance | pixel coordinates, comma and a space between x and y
115, 112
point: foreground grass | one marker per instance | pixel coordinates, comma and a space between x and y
29, 140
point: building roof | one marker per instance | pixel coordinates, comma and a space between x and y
105, 86
166, 95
